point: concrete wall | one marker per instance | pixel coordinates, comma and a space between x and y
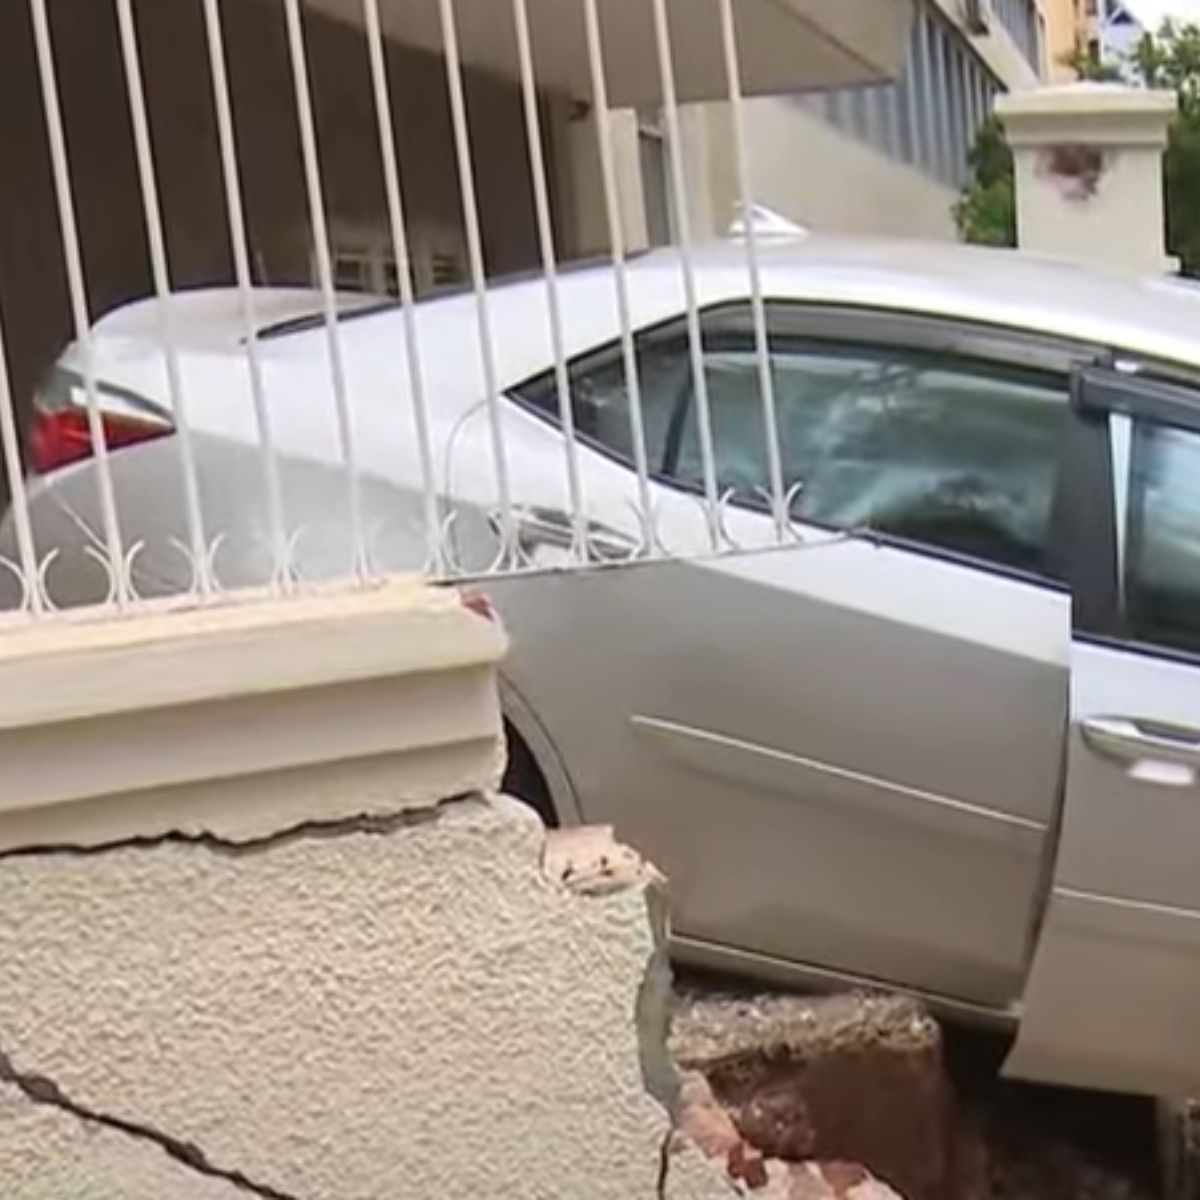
582, 181
812, 173
1064, 34
378, 980
409, 1009
996, 47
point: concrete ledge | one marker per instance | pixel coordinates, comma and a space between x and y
245, 718
60, 670
1098, 113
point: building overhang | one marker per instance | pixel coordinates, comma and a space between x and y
785, 45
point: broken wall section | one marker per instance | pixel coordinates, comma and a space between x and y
406, 1010
268, 930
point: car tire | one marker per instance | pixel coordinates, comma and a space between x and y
524, 779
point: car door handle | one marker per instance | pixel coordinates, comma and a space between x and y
551, 527
1135, 739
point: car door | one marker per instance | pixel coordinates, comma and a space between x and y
1115, 986
845, 752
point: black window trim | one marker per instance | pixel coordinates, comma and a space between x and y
1137, 394
1087, 536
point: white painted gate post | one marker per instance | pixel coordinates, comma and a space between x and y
1088, 160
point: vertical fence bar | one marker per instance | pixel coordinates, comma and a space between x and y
400, 251
320, 231
235, 213
10, 437
766, 382
616, 241
466, 175
160, 272
541, 198
666, 67
77, 288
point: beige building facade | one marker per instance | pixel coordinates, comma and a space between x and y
1067, 25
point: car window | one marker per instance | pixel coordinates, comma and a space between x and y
945, 451
601, 404
1162, 556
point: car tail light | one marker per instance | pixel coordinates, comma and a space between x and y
63, 437
61, 433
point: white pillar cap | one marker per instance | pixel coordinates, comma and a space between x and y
1096, 113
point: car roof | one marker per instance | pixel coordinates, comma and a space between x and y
1154, 317
1151, 318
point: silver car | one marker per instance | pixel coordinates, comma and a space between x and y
946, 739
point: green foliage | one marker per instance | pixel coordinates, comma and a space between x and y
987, 211
1182, 179
1169, 59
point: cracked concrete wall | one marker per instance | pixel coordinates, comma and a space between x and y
51, 1154
246, 717
366, 1011
266, 930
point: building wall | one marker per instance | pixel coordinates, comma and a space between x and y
585, 233
1010, 46
1065, 32
1118, 30
1107, 30
823, 177
885, 159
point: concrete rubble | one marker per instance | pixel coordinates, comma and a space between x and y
703, 1125
801, 1097
793, 1093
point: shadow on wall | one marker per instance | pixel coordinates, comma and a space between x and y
33, 293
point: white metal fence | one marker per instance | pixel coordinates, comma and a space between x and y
246, 456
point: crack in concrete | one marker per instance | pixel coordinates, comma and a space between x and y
651, 1017
46, 1093
371, 824
664, 1163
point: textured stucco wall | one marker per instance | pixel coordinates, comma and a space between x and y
46, 1153
400, 1007
299, 949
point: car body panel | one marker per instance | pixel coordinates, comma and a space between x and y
1115, 984
786, 785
